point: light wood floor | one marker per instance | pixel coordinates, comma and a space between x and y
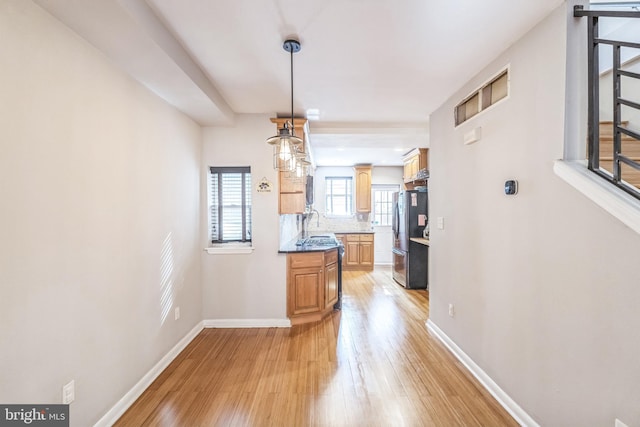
372, 364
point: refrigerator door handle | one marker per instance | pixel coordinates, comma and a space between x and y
396, 221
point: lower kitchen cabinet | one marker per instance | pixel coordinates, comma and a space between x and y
352, 254
365, 254
306, 291
312, 285
331, 282
358, 253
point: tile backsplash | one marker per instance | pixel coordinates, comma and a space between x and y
359, 222
291, 225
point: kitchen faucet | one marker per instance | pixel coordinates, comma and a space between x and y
305, 221
317, 216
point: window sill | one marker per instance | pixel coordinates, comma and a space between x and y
618, 203
230, 248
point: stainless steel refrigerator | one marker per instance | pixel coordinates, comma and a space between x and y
410, 259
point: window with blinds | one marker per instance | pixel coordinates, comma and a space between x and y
230, 204
339, 191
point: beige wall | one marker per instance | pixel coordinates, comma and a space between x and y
245, 286
544, 282
99, 220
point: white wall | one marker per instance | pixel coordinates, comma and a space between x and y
245, 286
387, 175
99, 225
544, 282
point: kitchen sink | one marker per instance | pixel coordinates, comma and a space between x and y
327, 241
317, 241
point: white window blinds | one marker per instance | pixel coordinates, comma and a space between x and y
339, 195
230, 204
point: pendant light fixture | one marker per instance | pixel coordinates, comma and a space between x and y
285, 143
302, 165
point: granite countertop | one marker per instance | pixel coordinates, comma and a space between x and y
293, 247
420, 240
353, 232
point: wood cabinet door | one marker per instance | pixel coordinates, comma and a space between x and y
290, 183
415, 164
331, 284
306, 290
363, 189
423, 159
292, 203
352, 255
366, 254
407, 171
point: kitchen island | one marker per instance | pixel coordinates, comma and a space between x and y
313, 279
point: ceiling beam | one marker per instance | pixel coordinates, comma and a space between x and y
158, 32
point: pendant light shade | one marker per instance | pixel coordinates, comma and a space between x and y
284, 149
286, 143
302, 165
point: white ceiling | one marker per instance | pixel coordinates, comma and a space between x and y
374, 69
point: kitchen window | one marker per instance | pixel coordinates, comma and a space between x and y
339, 191
230, 204
383, 204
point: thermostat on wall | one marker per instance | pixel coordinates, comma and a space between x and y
511, 187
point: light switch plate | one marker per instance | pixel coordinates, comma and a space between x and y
69, 392
440, 222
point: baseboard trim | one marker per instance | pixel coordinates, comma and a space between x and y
127, 400
247, 323
500, 395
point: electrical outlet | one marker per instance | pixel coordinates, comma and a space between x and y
177, 313
440, 223
69, 392
451, 310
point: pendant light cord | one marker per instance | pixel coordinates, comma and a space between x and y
292, 126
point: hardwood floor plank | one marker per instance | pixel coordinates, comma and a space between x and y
371, 364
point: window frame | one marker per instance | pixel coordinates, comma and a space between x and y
246, 205
374, 212
480, 93
349, 200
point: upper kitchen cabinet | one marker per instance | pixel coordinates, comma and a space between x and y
416, 165
363, 188
291, 198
